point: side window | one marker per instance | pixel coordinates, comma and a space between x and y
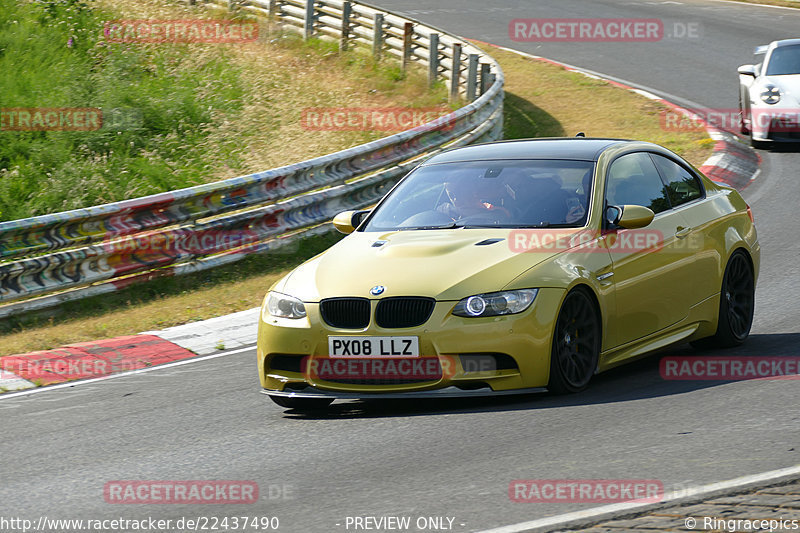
682, 186
634, 180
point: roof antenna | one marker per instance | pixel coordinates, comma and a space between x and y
580, 134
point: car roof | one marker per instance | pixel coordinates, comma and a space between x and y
570, 148
786, 42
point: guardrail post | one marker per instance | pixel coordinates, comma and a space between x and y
485, 77
273, 9
455, 79
347, 9
408, 36
377, 37
433, 59
308, 23
472, 77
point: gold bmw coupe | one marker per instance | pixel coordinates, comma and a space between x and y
513, 267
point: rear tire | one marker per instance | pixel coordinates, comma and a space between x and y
302, 404
736, 305
576, 344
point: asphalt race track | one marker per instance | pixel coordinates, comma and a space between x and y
207, 420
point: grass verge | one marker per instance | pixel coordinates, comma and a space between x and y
541, 100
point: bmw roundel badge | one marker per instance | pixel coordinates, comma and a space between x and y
377, 289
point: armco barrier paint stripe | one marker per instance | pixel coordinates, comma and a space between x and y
93, 359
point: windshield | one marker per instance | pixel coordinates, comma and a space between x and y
784, 61
530, 193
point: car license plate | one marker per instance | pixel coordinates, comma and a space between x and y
352, 346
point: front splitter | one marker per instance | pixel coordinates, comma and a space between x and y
446, 392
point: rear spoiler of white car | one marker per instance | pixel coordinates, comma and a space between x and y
761, 49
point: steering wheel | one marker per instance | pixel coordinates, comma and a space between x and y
427, 218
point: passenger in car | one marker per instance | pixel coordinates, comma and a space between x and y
544, 202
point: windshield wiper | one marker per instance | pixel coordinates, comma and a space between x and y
452, 225
484, 226
550, 225
541, 225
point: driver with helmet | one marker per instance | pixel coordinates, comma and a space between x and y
474, 198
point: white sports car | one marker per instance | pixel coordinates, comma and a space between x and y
769, 94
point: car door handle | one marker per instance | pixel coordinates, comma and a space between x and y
682, 232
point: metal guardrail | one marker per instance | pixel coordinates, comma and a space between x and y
50, 259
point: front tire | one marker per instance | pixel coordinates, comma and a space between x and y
758, 145
302, 404
576, 344
736, 305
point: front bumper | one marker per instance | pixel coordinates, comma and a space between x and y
777, 124
523, 341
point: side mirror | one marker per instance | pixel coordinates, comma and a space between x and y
630, 216
747, 70
613, 214
347, 221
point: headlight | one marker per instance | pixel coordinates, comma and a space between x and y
285, 306
496, 303
771, 95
